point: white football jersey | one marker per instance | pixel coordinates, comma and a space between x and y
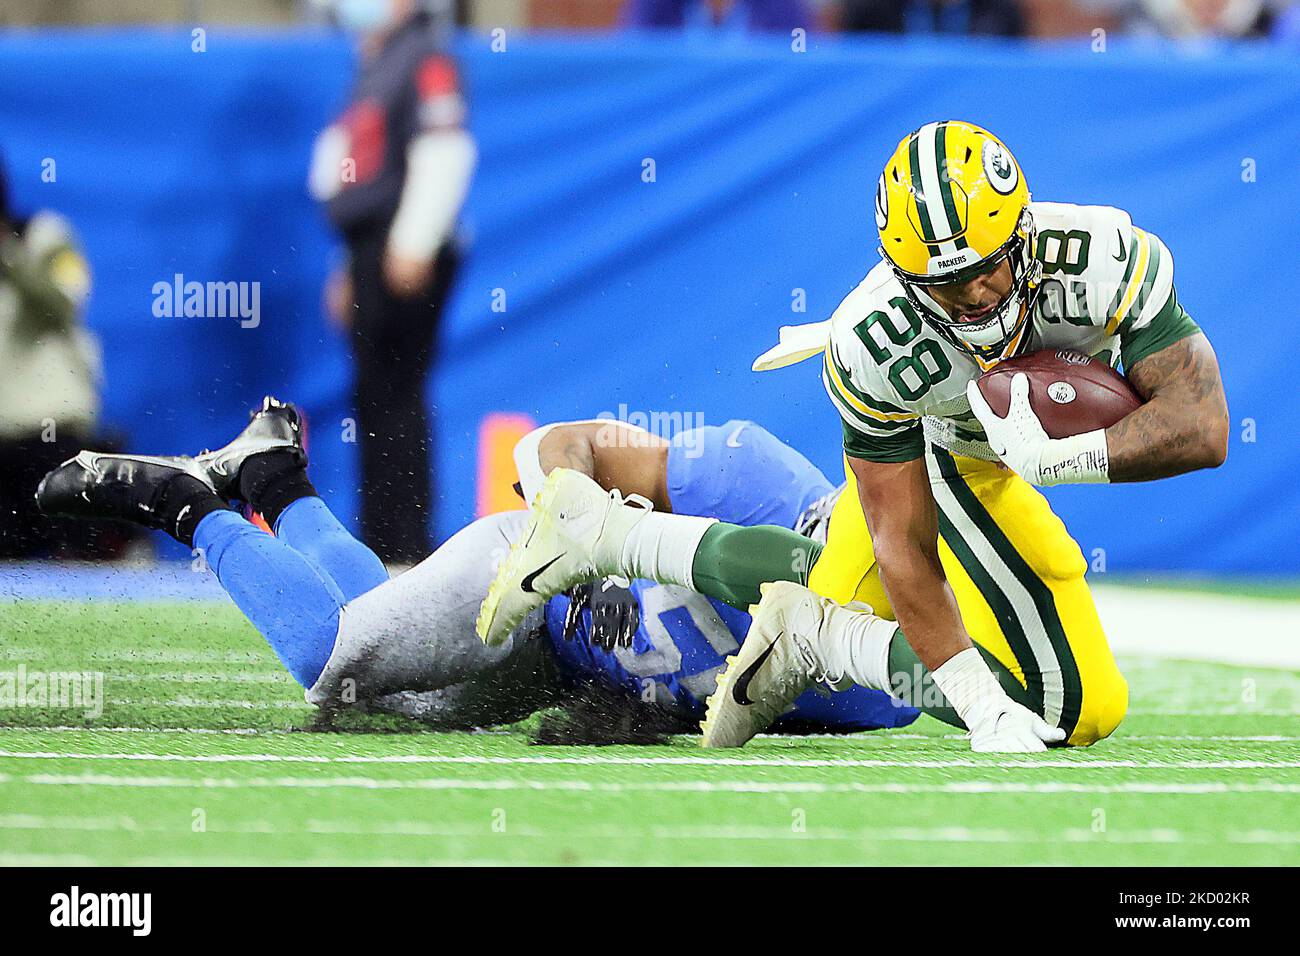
1107, 288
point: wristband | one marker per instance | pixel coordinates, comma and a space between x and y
527, 453
967, 682
1077, 460
528, 462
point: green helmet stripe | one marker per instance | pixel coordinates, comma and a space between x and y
914, 172
945, 184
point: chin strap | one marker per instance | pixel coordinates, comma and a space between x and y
1010, 349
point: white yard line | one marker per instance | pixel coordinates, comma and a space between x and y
205, 677
1186, 625
974, 787
229, 731
880, 740
876, 739
19, 653
889, 736
233, 703
1214, 738
598, 760
56, 859
236, 703
70, 729
1226, 711
350, 860
224, 703
413, 828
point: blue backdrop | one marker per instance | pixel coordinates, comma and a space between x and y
656, 295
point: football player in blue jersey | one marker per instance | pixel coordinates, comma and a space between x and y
351, 636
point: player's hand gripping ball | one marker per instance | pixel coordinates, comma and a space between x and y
1045, 414
1070, 393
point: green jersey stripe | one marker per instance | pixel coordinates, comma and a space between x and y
1144, 293
856, 418
876, 403
907, 445
1128, 274
1171, 325
997, 601
1039, 593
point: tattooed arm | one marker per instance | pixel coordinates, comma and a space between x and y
617, 456
568, 446
1184, 424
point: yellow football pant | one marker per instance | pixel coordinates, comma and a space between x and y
1019, 581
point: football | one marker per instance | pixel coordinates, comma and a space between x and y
1070, 392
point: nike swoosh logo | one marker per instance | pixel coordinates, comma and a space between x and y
733, 439
740, 693
527, 583
1123, 249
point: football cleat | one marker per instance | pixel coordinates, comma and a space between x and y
274, 426
122, 487
775, 664
557, 550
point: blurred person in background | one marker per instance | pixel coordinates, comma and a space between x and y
1195, 19
961, 17
50, 375
732, 16
1286, 23
393, 172
1192, 19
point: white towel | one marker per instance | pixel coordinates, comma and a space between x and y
798, 342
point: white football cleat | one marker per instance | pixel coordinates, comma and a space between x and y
775, 664
556, 551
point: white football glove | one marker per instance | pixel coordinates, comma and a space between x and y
1024, 447
997, 723
1009, 728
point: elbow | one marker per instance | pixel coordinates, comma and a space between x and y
1216, 455
1210, 449
1216, 441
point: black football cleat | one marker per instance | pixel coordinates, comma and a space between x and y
145, 490
275, 426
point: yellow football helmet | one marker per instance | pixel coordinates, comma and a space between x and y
952, 204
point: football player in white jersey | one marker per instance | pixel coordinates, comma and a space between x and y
971, 576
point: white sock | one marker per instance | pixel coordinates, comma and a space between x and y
637, 543
855, 645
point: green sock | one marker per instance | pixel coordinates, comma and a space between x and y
731, 562
906, 671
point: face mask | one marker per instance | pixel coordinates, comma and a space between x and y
997, 330
363, 16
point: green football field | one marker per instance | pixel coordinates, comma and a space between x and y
205, 753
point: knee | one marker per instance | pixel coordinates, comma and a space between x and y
1058, 565
837, 573
1104, 708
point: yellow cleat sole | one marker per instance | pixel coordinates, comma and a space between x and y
509, 570
487, 611
714, 702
